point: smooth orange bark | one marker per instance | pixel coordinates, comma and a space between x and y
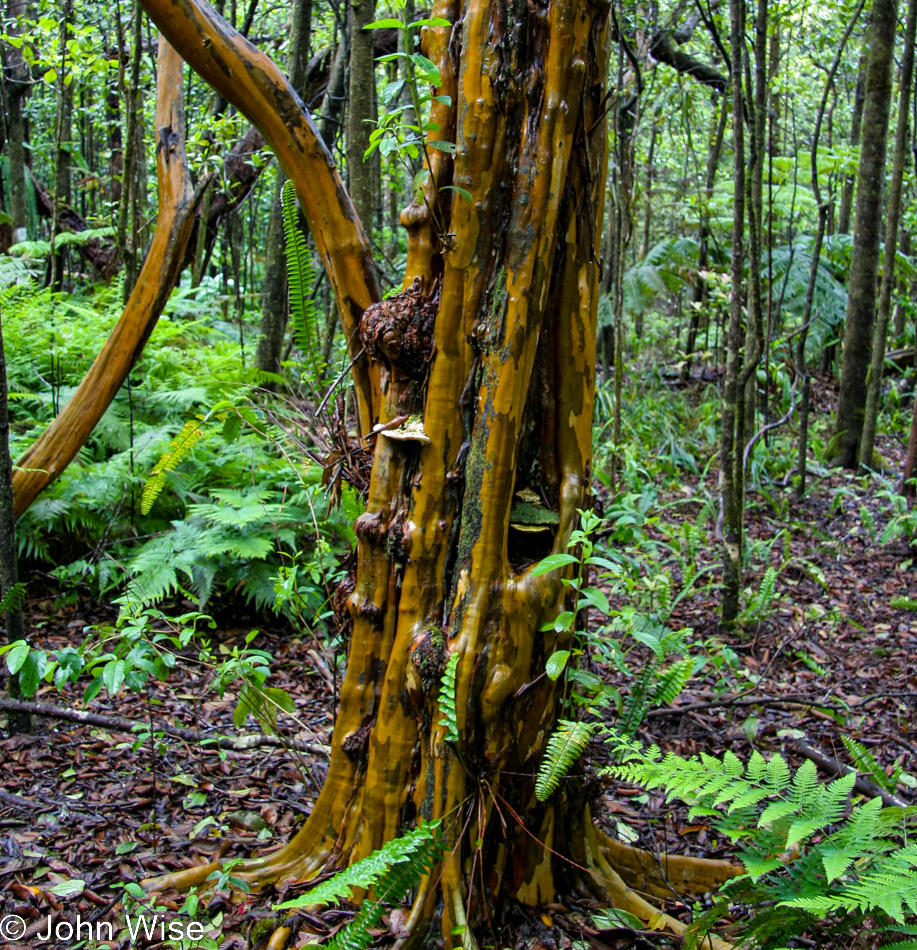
178, 200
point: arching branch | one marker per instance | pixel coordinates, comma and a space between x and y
255, 85
178, 201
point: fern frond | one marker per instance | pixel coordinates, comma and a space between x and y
181, 445
301, 278
672, 681
13, 599
447, 710
413, 852
565, 746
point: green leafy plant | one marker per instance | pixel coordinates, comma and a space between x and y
304, 315
808, 860
448, 714
566, 745
408, 140
391, 872
643, 621
13, 599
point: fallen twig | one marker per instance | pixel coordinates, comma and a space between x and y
744, 701
238, 744
831, 766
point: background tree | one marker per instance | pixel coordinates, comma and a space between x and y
864, 264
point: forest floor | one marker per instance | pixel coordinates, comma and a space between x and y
86, 809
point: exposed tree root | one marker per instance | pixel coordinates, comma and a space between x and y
666, 875
603, 868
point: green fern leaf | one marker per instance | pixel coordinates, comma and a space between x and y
447, 710
564, 747
181, 445
391, 872
301, 278
13, 599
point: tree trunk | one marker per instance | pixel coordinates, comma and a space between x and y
9, 575
802, 371
178, 201
699, 287
274, 290
493, 344
361, 112
864, 265
731, 446
16, 126
127, 222
856, 123
874, 384
648, 192
900, 308
754, 324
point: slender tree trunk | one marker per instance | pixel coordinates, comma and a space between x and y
15, 126
699, 287
332, 108
856, 124
9, 575
874, 384
900, 309
128, 224
864, 265
730, 473
360, 111
648, 192
274, 290
802, 370
754, 325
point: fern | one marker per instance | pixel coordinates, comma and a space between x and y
448, 714
865, 762
856, 866
181, 445
304, 315
565, 746
13, 599
392, 872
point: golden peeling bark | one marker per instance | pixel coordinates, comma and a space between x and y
506, 402
244, 76
178, 201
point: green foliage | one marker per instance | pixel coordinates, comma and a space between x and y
666, 267
391, 872
304, 315
645, 622
13, 599
806, 857
407, 140
180, 446
566, 745
447, 710
187, 415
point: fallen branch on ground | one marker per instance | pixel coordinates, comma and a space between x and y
832, 767
237, 744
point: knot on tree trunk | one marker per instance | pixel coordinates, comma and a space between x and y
399, 332
428, 655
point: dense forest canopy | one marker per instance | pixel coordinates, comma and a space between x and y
505, 410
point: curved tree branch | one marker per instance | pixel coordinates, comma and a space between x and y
664, 49
178, 201
255, 85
